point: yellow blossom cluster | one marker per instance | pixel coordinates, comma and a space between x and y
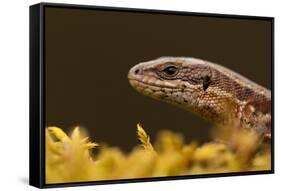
72, 158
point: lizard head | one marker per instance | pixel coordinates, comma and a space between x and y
186, 82
209, 90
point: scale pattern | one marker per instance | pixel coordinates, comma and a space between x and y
209, 90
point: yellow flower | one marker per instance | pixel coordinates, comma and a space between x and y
69, 158
144, 138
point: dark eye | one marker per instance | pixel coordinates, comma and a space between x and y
170, 70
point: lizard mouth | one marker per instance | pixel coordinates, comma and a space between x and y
141, 85
139, 76
151, 81
150, 89
147, 83
152, 84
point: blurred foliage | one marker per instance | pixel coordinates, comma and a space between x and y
72, 158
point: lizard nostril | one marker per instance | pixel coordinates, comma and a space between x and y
137, 71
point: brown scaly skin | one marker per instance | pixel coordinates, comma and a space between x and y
211, 91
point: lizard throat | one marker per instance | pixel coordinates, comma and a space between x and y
181, 97
172, 95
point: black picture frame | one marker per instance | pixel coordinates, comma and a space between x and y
37, 94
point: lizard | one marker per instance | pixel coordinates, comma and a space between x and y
214, 92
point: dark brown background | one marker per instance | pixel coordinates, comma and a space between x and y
89, 52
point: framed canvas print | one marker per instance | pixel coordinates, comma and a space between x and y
126, 95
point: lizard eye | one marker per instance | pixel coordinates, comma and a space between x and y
170, 71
